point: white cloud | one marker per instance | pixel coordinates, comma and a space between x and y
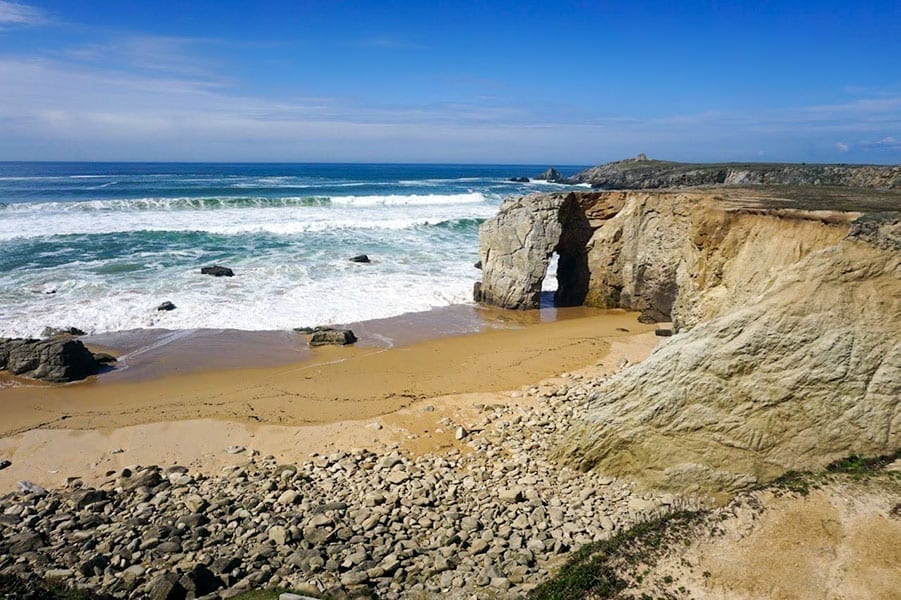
842, 147
886, 143
13, 13
156, 100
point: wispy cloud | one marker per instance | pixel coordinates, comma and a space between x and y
14, 13
158, 98
886, 143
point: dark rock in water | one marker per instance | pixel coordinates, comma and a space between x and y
337, 337
217, 271
477, 291
55, 360
51, 332
360, 258
478, 265
552, 175
166, 306
519, 179
102, 358
166, 587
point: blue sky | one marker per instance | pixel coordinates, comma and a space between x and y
515, 82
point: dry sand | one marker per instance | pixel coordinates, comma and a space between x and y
330, 400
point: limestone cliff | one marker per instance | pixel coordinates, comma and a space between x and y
789, 351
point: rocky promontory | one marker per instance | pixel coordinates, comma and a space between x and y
644, 173
787, 351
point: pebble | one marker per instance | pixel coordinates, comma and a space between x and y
487, 522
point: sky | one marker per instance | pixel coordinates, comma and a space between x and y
548, 83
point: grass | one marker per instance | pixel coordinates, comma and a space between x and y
600, 569
12, 587
606, 568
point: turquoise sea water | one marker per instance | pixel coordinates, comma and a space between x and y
100, 245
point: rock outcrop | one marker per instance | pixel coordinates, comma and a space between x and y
641, 173
551, 175
788, 345
56, 360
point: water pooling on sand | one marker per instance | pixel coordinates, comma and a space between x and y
99, 246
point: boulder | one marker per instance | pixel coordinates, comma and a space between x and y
104, 359
337, 337
166, 587
360, 258
52, 332
56, 360
519, 179
217, 271
166, 306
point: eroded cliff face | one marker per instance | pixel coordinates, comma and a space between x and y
789, 351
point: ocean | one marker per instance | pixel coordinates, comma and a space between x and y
99, 246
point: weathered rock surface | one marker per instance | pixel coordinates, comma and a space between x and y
59, 359
516, 246
641, 173
790, 347
328, 336
217, 271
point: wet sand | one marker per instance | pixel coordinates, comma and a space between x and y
308, 405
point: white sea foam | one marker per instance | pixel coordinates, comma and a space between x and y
412, 199
281, 216
259, 297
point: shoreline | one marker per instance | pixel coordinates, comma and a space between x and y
292, 410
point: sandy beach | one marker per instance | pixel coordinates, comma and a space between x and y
372, 395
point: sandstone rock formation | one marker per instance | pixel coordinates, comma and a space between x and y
641, 173
789, 351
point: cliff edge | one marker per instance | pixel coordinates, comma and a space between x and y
788, 346
645, 173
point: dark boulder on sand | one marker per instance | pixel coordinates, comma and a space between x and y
102, 358
56, 360
217, 271
360, 258
335, 337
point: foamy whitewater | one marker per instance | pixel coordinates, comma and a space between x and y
100, 246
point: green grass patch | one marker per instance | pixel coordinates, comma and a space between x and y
18, 588
858, 465
600, 568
